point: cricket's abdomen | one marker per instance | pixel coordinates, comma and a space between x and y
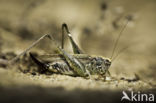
59, 65
61, 68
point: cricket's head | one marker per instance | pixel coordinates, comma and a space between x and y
100, 64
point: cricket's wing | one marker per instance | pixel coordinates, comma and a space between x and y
58, 57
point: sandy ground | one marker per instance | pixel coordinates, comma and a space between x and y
98, 24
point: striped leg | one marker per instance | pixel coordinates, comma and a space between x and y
74, 63
75, 47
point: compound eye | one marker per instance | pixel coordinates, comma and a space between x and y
107, 60
98, 63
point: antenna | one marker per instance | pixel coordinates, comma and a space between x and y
120, 51
117, 40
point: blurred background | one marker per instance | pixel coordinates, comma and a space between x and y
95, 26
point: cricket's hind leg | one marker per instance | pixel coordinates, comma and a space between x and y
12, 61
75, 47
73, 62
